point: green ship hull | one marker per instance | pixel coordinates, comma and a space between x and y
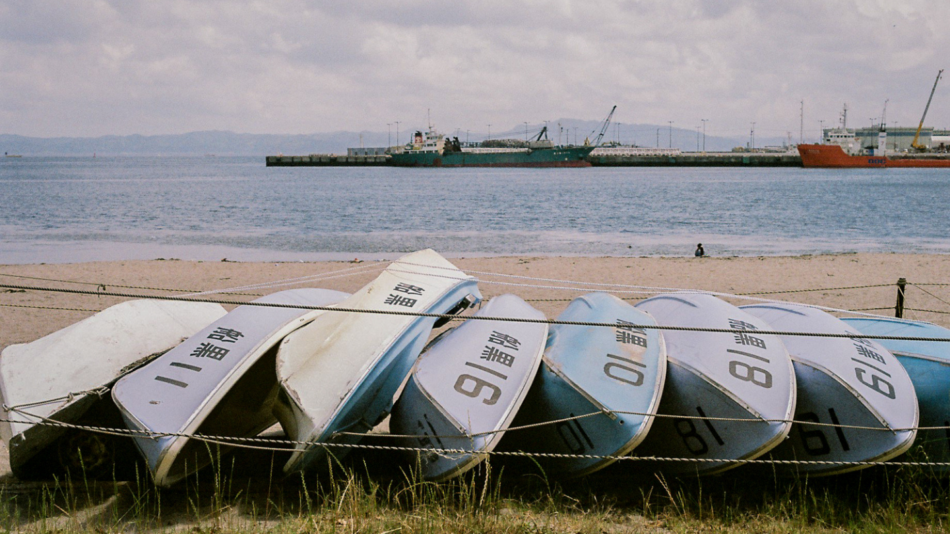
545, 157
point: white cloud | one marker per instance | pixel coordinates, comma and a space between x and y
291, 66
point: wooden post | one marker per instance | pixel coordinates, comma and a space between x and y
899, 308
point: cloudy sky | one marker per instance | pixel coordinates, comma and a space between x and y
97, 67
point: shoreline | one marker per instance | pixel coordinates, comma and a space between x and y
61, 253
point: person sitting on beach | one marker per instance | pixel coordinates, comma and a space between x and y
699, 251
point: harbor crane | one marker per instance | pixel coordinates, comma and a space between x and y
884, 116
603, 130
914, 143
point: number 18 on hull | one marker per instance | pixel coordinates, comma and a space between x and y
727, 396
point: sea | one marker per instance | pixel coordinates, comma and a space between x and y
77, 209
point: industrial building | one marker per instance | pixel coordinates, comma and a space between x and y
855, 140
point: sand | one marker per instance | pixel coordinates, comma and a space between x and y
730, 275
26, 315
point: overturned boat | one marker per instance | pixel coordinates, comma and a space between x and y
855, 385
598, 387
728, 396
465, 390
66, 377
339, 374
220, 382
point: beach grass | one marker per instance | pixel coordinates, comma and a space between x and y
363, 495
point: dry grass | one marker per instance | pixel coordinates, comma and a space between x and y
366, 494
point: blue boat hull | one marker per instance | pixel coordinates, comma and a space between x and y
603, 384
928, 364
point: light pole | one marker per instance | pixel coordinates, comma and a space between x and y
671, 133
397, 133
704, 134
752, 133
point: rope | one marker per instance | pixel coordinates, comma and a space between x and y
229, 291
926, 311
931, 294
816, 289
349, 271
48, 308
98, 284
649, 290
249, 443
99, 392
473, 317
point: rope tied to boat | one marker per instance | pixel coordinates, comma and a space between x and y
262, 445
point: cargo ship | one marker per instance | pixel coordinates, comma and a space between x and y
834, 156
435, 150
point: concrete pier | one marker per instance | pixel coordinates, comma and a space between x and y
327, 160
697, 159
685, 159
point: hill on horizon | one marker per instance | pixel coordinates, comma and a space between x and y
226, 143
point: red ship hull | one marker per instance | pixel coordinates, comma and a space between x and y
833, 156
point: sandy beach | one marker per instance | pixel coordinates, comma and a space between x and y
549, 283
557, 278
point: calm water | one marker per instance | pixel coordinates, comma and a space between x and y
79, 209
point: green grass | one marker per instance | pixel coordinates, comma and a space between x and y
365, 494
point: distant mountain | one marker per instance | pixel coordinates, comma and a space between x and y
236, 144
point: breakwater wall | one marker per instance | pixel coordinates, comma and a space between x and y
710, 159
327, 160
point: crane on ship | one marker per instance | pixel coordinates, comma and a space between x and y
914, 143
603, 130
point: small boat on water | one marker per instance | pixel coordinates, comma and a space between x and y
467, 387
339, 374
66, 376
219, 382
853, 382
743, 377
602, 384
928, 365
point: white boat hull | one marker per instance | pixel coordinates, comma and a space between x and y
359, 360
60, 376
197, 387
